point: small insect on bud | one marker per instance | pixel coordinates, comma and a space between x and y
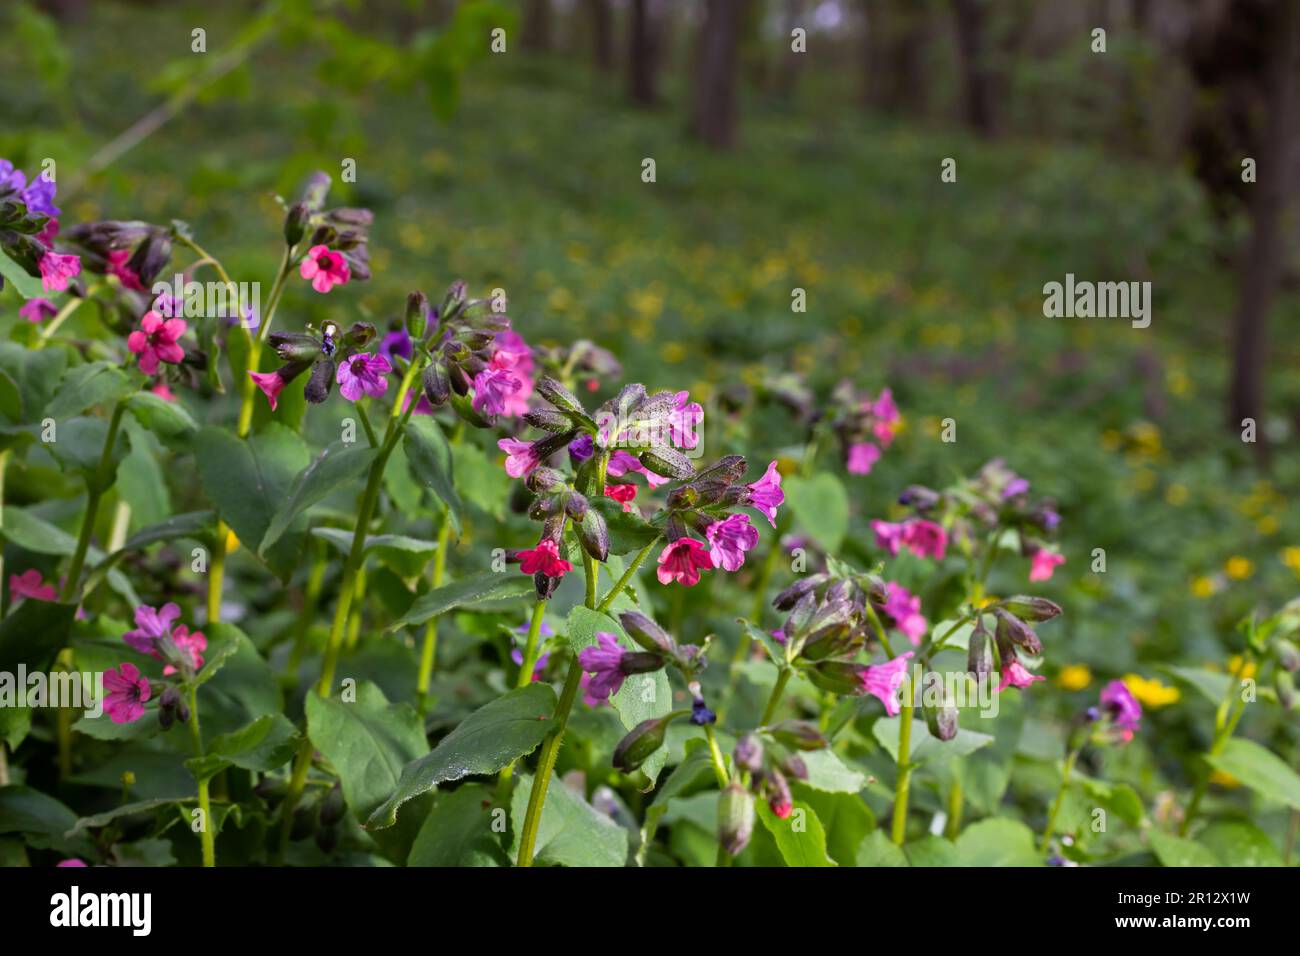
642, 741
647, 633
799, 734
1034, 609
748, 753
735, 818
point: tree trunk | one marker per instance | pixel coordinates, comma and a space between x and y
602, 34
535, 33
976, 76
791, 62
642, 53
714, 108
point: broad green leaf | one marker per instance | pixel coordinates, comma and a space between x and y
168, 420
78, 446
846, 819
368, 741
430, 458
628, 532
405, 555
828, 773
997, 842
820, 506
82, 386
1260, 769
481, 480
248, 480
799, 837
35, 534
930, 850
459, 831
571, 831
1213, 685
33, 634
126, 810
336, 465
1177, 851
236, 684
36, 374
200, 525
878, 850
43, 821
1117, 798
486, 741
266, 743
1239, 843
467, 592
29, 287
926, 748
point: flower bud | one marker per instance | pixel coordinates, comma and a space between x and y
838, 677
778, 799
919, 497
321, 381
295, 223
647, 633
548, 420
417, 314
1017, 632
542, 479
1288, 656
940, 716
295, 346
314, 191
454, 301
641, 662
1031, 608
735, 818
437, 386
799, 734
575, 506
792, 765
791, 595
359, 335
332, 807
667, 462
593, 533
150, 257
545, 586
559, 396
641, 741
464, 409
1284, 684
979, 653
748, 753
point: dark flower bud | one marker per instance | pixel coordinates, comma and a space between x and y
728, 469
437, 386
314, 191
150, 257
748, 753
327, 839
321, 381
979, 653
793, 766
417, 314
735, 818
593, 532
545, 586
454, 301
641, 662
575, 506
919, 497
701, 715
359, 335
799, 734
1287, 654
778, 796
548, 420
647, 633
542, 479
332, 807
838, 677
641, 741
295, 346
295, 223
169, 705
667, 462
559, 396
1017, 632
791, 595
940, 714
544, 507
1031, 608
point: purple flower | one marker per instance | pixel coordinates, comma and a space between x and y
889, 536
363, 374
862, 455
150, 626
766, 495
39, 196
603, 661
521, 457
38, 310
905, 609
582, 448
1124, 710
883, 680
127, 690
539, 666
729, 539
1016, 486
682, 421
493, 387
622, 463
395, 343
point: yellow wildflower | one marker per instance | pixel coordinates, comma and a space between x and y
1150, 692
1203, 586
1074, 677
1239, 568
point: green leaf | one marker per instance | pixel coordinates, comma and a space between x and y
33, 634
29, 287
168, 420
265, 744
431, 463
1239, 843
1261, 770
236, 685
126, 810
1212, 685
926, 748
368, 741
36, 373
627, 531
930, 850
571, 831
997, 842
405, 555
35, 534
78, 446
1117, 798
828, 773
846, 819
459, 832
335, 466
878, 850
486, 741
248, 481
820, 506
82, 386
467, 592
799, 837
1177, 851
200, 525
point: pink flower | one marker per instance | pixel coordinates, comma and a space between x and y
624, 463
886, 415
925, 538
603, 661
71, 862
1014, 673
155, 340
514, 356
623, 494
544, 559
521, 456
363, 374
271, 384
682, 421
862, 456
906, 611
766, 495
729, 539
493, 388
1043, 564
325, 269
150, 626
191, 645
162, 391
682, 561
117, 266
58, 270
883, 681
889, 536
127, 691
38, 310
1124, 710
31, 585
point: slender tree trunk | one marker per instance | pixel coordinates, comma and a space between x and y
976, 76
642, 53
714, 107
791, 62
602, 34
535, 32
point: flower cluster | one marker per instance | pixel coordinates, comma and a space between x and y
179, 649
864, 425
29, 226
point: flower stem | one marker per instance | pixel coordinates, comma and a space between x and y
1066, 771
903, 787
429, 652
774, 701
95, 491
626, 577
715, 756
531, 646
206, 836
1225, 722
74, 303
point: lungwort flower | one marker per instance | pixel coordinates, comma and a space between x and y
766, 495
882, 681
126, 691
682, 562
325, 269
729, 539
363, 374
155, 341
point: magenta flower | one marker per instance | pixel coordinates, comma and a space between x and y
493, 388
603, 662
906, 611
513, 356
729, 539
682, 421
544, 559
766, 495
1043, 564
862, 455
363, 374
1124, 710
885, 412
117, 266
38, 310
624, 463
889, 536
682, 561
271, 384
155, 341
925, 538
127, 691
73, 861
192, 646
882, 681
31, 585
58, 270
150, 626
521, 456
325, 269
397, 343
623, 494
1014, 673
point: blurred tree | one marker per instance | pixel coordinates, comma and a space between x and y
977, 74
896, 41
714, 107
535, 31
787, 74
642, 55
602, 34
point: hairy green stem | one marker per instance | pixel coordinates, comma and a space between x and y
903, 786
774, 701
206, 835
1066, 771
626, 577
429, 652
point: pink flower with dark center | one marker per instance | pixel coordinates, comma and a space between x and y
1124, 710
603, 662
544, 559
325, 269
682, 562
882, 681
150, 625
190, 645
493, 388
682, 421
1014, 673
623, 494
126, 691
1043, 564
31, 585
38, 310
925, 538
117, 266
905, 609
862, 455
766, 495
58, 270
729, 539
155, 341
363, 374
521, 456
